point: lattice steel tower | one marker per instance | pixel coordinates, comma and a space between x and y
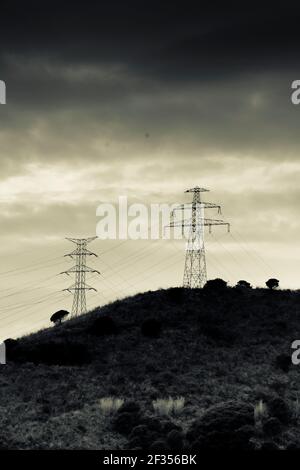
195, 274
80, 269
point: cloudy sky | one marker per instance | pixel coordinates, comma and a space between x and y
143, 99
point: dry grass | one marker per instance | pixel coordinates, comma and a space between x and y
295, 408
109, 405
260, 412
168, 406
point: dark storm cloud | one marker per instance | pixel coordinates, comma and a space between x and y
166, 40
206, 77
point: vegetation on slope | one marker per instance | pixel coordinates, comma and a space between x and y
225, 352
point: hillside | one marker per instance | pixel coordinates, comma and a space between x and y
224, 351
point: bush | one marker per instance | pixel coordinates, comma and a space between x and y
11, 346
215, 285
244, 284
279, 385
219, 427
125, 422
159, 445
54, 353
272, 283
10, 343
278, 408
142, 436
272, 427
128, 416
283, 362
151, 328
130, 407
134, 444
175, 440
153, 424
103, 325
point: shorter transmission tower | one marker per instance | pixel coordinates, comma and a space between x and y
80, 269
195, 274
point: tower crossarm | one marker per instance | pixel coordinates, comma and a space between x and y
190, 205
80, 252
84, 269
75, 288
196, 189
201, 222
81, 241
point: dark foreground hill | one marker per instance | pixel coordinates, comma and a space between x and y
171, 369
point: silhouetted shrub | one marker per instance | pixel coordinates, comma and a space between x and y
103, 325
153, 424
57, 317
215, 285
175, 440
151, 328
129, 407
223, 416
54, 353
218, 427
279, 385
11, 346
10, 343
168, 426
272, 427
227, 440
272, 283
283, 362
143, 436
278, 408
125, 422
243, 283
139, 430
159, 445
134, 444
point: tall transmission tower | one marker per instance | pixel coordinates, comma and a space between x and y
80, 269
195, 274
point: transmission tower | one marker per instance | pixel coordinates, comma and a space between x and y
80, 269
195, 274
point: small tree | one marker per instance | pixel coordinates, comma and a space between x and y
272, 283
57, 317
243, 283
216, 285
